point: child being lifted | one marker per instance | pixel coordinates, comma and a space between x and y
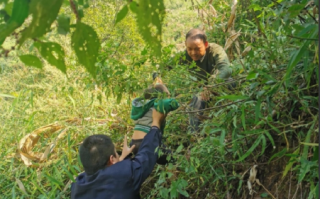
155, 97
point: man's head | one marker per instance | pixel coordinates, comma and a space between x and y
196, 44
97, 152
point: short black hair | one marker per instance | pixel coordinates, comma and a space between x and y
95, 152
196, 33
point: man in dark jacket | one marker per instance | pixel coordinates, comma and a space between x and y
109, 176
211, 62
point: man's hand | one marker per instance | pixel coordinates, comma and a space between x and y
125, 150
205, 94
157, 118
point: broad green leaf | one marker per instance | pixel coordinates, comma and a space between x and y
317, 4
8, 8
233, 97
133, 6
43, 12
179, 148
290, 163
20, 12
122, 13
31, 60
86, 44
255, 7
149, 15
252, 75
295, 9
63, 24
53, 53
255, 144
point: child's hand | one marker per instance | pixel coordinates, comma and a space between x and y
125, 150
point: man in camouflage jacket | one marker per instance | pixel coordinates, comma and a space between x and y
211, 62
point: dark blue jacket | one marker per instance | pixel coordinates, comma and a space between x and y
123, 179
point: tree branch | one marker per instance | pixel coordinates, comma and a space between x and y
207, 109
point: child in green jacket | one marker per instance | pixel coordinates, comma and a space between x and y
141, 112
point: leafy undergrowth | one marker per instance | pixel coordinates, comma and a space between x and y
262, 134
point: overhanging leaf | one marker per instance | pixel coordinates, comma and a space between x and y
297, 55
86, 44
122, 13
43, 12
53, 53
150, 14
31, 60
20, 12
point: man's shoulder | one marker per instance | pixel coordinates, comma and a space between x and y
214, 47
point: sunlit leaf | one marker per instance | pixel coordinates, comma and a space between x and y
20, 12
252, 75
149, 15
53, 53
43, 12
86, 44
122, 13
233, 97
6, 95
8, 8
31, 60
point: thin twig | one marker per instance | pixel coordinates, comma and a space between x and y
74, 9
207, 109
258, 182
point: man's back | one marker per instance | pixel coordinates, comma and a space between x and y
123, 179
115, 182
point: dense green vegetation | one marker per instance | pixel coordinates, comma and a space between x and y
72, 72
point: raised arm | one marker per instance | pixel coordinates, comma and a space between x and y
147, 156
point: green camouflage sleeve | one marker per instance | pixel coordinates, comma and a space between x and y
221, 61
